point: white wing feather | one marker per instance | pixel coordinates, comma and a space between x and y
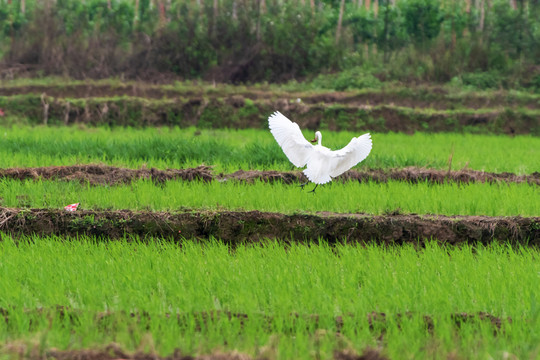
290, 138
357, 150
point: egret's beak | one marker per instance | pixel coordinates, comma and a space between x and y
314, 140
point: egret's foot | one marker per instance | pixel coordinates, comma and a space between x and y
304, 184
313, 191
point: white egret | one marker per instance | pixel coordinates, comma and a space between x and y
322, 163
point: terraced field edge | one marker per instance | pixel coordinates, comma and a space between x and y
238, 112
435, 97
240, 227
111, 175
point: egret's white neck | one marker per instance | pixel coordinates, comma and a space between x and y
319, 137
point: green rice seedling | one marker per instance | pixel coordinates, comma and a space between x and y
152, 296
229, 150
375, 198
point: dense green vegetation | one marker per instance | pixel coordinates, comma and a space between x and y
486, 44
230, 150
268, 283
374, 198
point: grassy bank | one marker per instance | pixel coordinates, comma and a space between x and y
230, 150
92, 280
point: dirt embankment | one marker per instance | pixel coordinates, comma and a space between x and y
237, 227
410, 174
110, 175
433, 97
238, 111
106, 175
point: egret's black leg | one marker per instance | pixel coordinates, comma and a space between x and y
313, 191
304, 184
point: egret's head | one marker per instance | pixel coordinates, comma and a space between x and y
317, 137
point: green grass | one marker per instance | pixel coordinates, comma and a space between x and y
230, 150
270, 280
375, 198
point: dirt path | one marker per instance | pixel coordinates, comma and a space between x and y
110, 175
236, 227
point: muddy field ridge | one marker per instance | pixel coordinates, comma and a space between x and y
253, 227
436, 97
99, 174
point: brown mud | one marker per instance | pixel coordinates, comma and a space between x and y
433, 97
110, 175
410, 174
115, 352
106, 175
241, 227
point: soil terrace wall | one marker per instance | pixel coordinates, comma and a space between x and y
235, 227
95, 174
239, 112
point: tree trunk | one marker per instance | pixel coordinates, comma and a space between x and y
367, 4
312, 4
468, 11
482, 16
23, 6
519, 47
376, 7
234, 10
259, 13
386, 49
340, 20
215, 15
136, 16
162, 12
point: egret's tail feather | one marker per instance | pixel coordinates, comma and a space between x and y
317, 178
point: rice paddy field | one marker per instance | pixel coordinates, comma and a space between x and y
196, 241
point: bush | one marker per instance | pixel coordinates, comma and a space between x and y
423, 19
482, 80
534, 84
239, 41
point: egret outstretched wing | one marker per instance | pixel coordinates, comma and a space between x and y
290, 138
344, 159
